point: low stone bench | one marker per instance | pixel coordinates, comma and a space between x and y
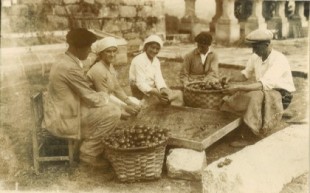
263, 167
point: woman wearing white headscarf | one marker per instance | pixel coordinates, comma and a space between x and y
145, 75
104, 77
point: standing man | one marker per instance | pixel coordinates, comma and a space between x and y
201, 63
72, 108
261, 103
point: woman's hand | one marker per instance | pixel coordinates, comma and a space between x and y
131, 110
132, 104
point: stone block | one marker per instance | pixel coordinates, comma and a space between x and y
131, 2
103, 12
32, 1
72, 9
59, 10
57, 2
158, 9
131, 35
58, 22
89, 1
227, 32
102, 2
185, 164
144, 11
141, 26
112, 12
71, 1
112, 2
110, 26
127, 11
123, 25
19, 10
263, 167
148, 2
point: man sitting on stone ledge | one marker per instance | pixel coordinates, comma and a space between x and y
201, 64
261, 103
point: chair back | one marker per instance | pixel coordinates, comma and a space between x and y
37, 107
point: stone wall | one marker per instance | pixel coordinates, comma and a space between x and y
131, 19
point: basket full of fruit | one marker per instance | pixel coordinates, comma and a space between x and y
205, 94
137, 153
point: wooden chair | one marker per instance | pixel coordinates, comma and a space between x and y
42, 140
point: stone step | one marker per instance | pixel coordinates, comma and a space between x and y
263, 167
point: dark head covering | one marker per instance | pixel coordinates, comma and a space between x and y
204, 38
80, 37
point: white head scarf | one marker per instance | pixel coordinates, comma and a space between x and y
103, 44
153, 38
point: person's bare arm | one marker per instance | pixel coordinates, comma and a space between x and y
239, 77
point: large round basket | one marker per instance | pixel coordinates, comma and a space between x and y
208, 99
137, 164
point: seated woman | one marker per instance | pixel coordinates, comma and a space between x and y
201, 64
146, 80
104, 77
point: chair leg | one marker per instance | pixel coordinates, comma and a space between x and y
71, 148
36, 149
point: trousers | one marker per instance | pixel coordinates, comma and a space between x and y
96, 123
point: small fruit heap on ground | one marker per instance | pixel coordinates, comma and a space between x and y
210, 85
137, 136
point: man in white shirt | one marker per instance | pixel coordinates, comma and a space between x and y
146, 78
272, 74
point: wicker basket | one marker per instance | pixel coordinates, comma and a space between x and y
207, 99
137, 164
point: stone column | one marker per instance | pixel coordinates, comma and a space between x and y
256, 20
158, 11
218, 13
188, 20
299, 13
190, 8
227, 29
279, 21
298, 23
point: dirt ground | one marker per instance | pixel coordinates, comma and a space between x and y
16, 166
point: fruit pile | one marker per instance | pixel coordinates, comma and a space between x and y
210, 85
138, 136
